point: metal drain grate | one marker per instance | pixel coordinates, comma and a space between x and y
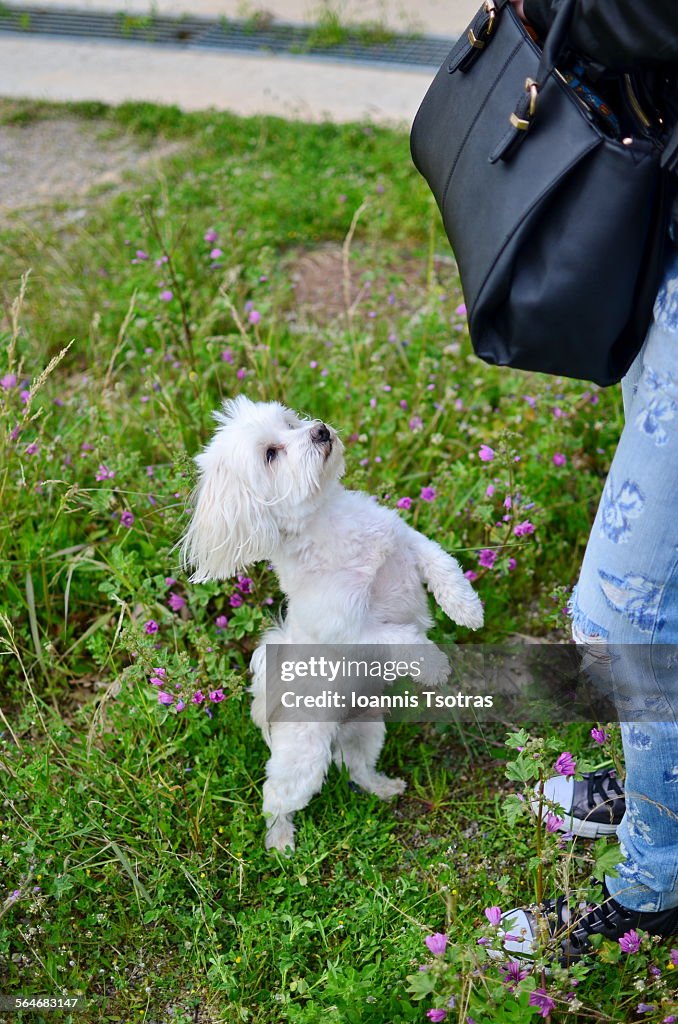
204, 33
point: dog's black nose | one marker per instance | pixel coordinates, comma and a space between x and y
320, 434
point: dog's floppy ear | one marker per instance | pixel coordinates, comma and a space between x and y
229, 528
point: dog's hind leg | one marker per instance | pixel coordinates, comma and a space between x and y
358, 745
301, 753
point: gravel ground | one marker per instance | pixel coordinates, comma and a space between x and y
61, 160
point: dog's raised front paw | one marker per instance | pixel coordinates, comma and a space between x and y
434, 667
470, 614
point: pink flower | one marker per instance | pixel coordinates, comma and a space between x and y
216, 696
235, 600
8, 381
227, 355
241, 373
565, 764
487, 558
215, 254
436, 1015
673, 957
559, 459
127, 518
210, 235
542, 1000
181, 705
485, 453
522, 529
470, 575
599, 736
513, 972
165, 698
170, 581
166, 295
630, 941
254, 316
437, 943
493, 915
221, 622
104, 473
404, 503
244, 584
489, 493
427, 494
198, 697
553, 822
32, 448
176, 602
461, 309
512, 564
156, 681
416, 423
151, 626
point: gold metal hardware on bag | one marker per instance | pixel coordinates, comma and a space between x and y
490, 9
533, 89
519, 123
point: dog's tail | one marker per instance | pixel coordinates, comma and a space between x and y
444, 578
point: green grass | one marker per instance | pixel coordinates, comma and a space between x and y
133, 835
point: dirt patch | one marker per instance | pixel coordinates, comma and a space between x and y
324, 290
51, 160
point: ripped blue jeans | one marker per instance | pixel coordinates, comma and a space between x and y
627, 598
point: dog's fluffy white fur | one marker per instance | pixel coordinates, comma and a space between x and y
351, 570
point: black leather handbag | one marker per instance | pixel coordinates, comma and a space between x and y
558, 219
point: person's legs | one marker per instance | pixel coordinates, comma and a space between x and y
627, 598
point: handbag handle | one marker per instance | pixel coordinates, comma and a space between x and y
523, 115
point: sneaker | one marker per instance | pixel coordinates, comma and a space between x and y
591, 807
572, 928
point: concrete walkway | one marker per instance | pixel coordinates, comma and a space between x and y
307, 88
432, 17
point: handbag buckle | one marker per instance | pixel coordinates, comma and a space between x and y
523, 123
478, 41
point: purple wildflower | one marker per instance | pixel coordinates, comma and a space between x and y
493, 915
404, 503
646, 1007
165, 698
415, 423
599, 735
489, 493
127, 518
436, 1015
254, 316
673, 957
487, 558
215, 254
210, 235
437, 943
485, 453
216, 696
176, 602
8, 381
630, 941
427, 494
151, 626
166, 295
180, 705
565, 764
221, 622
470, 575
559, 459
235, 600
522, 529
198, 697
513, 972
553, 822
244, 584
512, 564
461, 309
542, 1000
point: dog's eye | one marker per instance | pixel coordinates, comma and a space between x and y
271, 454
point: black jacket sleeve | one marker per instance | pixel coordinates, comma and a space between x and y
625, 35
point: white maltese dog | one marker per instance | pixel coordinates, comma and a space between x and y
352, 572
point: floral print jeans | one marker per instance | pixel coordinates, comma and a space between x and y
625, 609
